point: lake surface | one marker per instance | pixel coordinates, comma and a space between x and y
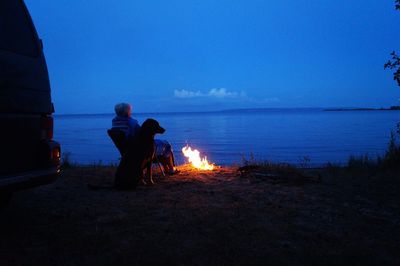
279, 135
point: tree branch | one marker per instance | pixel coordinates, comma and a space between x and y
395, 62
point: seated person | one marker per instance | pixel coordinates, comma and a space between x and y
165, 155
124, 122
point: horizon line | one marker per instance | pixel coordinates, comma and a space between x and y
234, 110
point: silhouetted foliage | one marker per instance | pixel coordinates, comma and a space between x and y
66, 161
390, 160
394, 63
392, 156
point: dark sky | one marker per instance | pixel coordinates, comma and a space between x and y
181, 55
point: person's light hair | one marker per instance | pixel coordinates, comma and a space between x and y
122, 109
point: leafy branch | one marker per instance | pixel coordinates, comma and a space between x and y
394, 63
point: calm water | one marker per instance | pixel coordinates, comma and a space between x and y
226, 137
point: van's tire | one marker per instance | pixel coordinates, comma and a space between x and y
5, 197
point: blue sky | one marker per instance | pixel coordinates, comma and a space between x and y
182, 55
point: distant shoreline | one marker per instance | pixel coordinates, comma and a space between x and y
244, 110
392, 108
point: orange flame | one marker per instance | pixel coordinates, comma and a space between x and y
195, 159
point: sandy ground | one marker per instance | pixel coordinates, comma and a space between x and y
204, 218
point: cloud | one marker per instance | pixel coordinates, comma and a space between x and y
187, 94
215, 93
222, 93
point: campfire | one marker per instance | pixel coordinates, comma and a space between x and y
195, 159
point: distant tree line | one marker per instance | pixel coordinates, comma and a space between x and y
394, 63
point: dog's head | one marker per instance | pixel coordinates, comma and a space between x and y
152, 127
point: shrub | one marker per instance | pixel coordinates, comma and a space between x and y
392, 155
390, 160
66, 161
362, 163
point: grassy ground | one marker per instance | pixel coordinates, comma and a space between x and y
263, 215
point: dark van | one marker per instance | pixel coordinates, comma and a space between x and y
28, 154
